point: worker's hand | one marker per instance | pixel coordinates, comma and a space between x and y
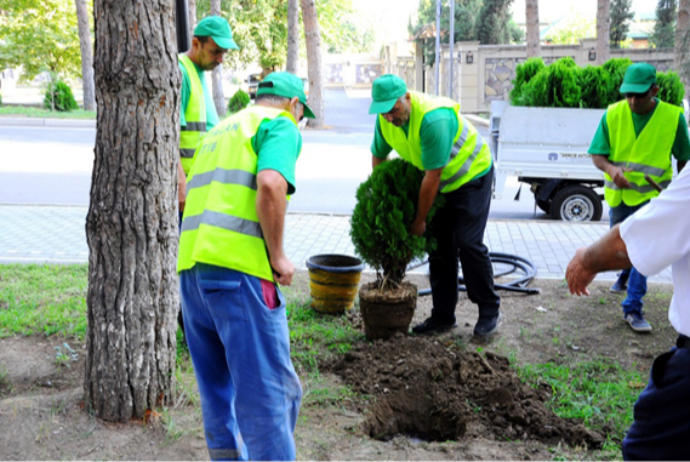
577, 274
181, 194
417, 227
617, 174
283, 270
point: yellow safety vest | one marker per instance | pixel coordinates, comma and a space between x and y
649, 153
195, 115
469, 156
220, 225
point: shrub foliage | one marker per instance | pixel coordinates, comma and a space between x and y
380, 224
238, 101
60, 95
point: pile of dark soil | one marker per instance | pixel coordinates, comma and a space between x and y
435, 391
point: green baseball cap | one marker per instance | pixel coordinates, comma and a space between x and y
218, 29
286, 85
638, 78
385, 92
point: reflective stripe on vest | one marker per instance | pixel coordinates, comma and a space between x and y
648, 153
469, 155
195, 115
220, 225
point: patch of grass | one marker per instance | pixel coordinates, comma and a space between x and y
319, 393
315, 336
598, 393
43, 299
24, 111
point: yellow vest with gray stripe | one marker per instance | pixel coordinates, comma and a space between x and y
649, 153
195, 115
220, 225
469, 155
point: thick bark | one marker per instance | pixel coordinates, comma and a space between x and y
191, 14
532, 17
86, 55
682, 46
293, 37
131, 226
603, 31
217, 74
314, 59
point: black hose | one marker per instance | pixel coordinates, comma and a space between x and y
514, 263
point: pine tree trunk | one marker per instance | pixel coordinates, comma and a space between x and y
191, 14
293, 37
131, 226
603, 31
86, 55
532, 16
314, 58
217, 74
682, 46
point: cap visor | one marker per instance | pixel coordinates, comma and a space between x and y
380, 107
308, 112
635, 88
226, 43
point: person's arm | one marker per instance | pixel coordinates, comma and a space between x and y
608, 253
379, 147
181, 186
681, 145
616, 173
427, 194
271, 205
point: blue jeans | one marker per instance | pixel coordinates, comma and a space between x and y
661, 429
637, 283
250, 392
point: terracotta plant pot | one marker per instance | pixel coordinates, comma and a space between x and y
386, 312
333, 282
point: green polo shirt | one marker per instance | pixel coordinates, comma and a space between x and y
681, 145
211, 114
278, 144
437, 132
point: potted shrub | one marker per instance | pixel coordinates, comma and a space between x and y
386, 205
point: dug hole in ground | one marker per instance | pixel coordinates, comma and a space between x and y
443, 397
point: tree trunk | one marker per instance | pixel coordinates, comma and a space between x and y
315, 72
293, 37
532, 15
217, 74
191, 14
86, 55
603, 31
131, 226
682, 46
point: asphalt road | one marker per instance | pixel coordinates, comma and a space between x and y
52, 165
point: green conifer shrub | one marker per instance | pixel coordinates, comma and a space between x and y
380, 223
239, 101
62, 97
671, 89
554, 86
595, 86
616, 68
523, 74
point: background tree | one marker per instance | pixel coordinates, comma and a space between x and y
493, 19
575, 29
293, 37
532, 20
681, 59
86, 55
217, 73
38, 36
664, 32
131, 225
191, 13
621, 15
312, 36
603, 31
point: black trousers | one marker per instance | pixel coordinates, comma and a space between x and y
459, 231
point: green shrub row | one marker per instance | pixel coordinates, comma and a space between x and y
565, 84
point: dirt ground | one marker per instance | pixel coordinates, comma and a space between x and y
42, 415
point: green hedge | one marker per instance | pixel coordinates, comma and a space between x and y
564, 84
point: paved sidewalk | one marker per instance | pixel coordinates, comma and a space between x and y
57, 235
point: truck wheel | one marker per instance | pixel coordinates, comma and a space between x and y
576, 203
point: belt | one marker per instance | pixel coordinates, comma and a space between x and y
683, 342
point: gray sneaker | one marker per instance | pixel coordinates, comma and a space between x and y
637, 322
486, 327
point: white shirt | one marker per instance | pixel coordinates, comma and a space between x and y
657, 236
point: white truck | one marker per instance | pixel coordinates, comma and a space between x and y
546, 148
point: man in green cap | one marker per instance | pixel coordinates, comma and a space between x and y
231, 260
636, 137
431, 134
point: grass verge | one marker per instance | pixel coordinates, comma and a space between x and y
34, 112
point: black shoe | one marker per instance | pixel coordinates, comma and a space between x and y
430, 326
487, 327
